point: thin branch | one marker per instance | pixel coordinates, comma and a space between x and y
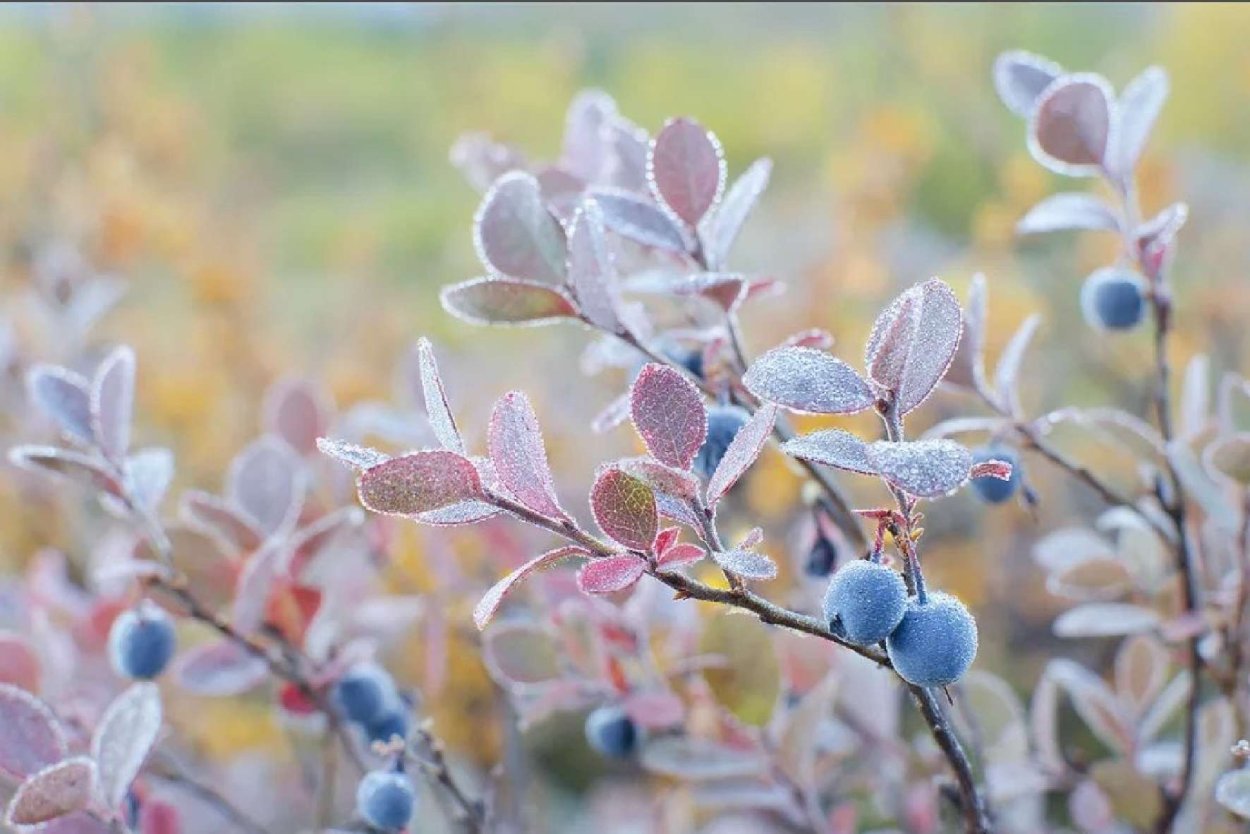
174, 774
471, 813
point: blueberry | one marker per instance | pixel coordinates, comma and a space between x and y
935, 643
393, 721
689, 358
365, 692
611, 732
1113, 299
723, 424
865, 601
141, 642
821, 558
385, 800
995, 490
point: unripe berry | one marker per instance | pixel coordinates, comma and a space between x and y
723, 424
365, 692
935, 643
385, 800
1113, 299
821, 558
865, 602
995, 490
611, 732
141, 642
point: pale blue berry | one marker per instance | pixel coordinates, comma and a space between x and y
385, 800
865, 602
723, 424
995, 490
611, 732
935, 643
141, 642
365, 692
1113, 299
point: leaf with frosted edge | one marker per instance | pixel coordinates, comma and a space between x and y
53, 792
1233, 792
676, 509
732, 213
833, 447
1230, 457
678, 483
686, 169
520, 458
30, 736
148, 475
922, 468
809, 381
1163, 227
442, 421
625, 508
610, 574
123, 739
612, 415
725, 289
741, 453
515, 235
350, 454
967, 369
1020, 78
419, 483
1105, 619
746, 563
212, 516
298, 411
964, 425
112, 402
1094, 702
219, 669
999, 469
685, 757
914, 341
482, 160
668, 412
1067, 212
590, 268
1195, 401
1010, 361
1072, 128
1201, 488
583, 152
641, 221
681, 554
1061, 549
66, 463
506, 302
266, 482
521, 656
253, 588
665, 539
1141, 667
64, 397
492, 599
1139, 107
630, 144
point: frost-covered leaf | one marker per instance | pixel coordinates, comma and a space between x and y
680, 554
630, 145
1020, 77
1139, 107
999, 469
482, 160
746, 563
64, 397
923, 468
148, 473
53, 792
742, 452
807, 380
219, 669
112, 402
1200, 487
610, 574
739, 200
913, 342
641, 221
1105, 619
419, 483
506, 301
1233, 792
123, 739
357, 457
298, 411
1066, 212
30, 736
624, 508
813, 337
266, 482
833, 447
442, 421
678, 483
515, 235
686, 169
1160, 230
492, 599
1069, 546
685, 757
584, 152
84, 469
1230, 457
215, 518
668, 412
592, 274
1072, 124
1010, 362
968, 367
1091, 579
520, 458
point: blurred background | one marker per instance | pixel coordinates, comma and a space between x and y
273, 185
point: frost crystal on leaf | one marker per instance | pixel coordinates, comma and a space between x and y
591, 272
442, 421
30, 736
124, 738
746, 563
515, 235
516, 448
610, 574
112, 401
357, 457
624, 508
923, 468
57, 790
668, 413
1074, 124
1139, 107
733, 211
678, 483
742, 452
1068, 211
808, 380
913, 342
493, 598
63, 396
833, 447
1020, 78
635, 218
419, 483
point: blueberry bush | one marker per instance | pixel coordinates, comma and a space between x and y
762, 690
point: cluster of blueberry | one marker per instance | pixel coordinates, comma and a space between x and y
368, 697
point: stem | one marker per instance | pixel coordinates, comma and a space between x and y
471, 812
177, 777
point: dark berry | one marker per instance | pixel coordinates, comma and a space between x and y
821, 558
385, 800
935, 643
365, 692
611, 732
865, 602
995, 490
141, 642
393, 721
723, 424
1113, 299
689, 358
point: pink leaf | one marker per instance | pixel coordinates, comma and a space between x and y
753, 539
19, 664
746, 563
833, 447
298, 411
668, 413
807, 380
419, 482
357, 457
219, 669
516, 448
83, 469
732, 213
266, 482
991, 469
30, 736
63, 396
493, 598
742, 452
913, 342
654, 710
923, 468
591, 271
665, 539
1021, 77
680, 554
215, 518
610, 574
506, 301
726, 289
159, 817
686, 169
639, 220
663, 479
515, 235
442, 421
255, 584
112, 402
123, 739
624, 508
53, 792
1071, 125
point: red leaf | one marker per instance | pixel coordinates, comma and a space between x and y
665, 539
419, 482
913, 342
55, 791
680, 554
493, 598
624, 508
668, 413
1071, 125
610, 574
816, 338
158, 817
442, 421
112, 401
506, 301
742, 452
991, 469
30, 736
516, 448
591, 272
514, 233
807, 380
686, 169
298, 411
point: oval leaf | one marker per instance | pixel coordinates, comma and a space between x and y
1072, 124
913, 342
742, 452
669, 415
505, 301
492, 599
112, 401
1139, 107
515, 235
298, 411
30, 736
266, 483
624, 508
1105, 619
123, 739
746, 563
63, 396
591, 272
610, 574
357, 457
1066, 212
419, 483
923, 468
219, 669
732, 213
1020, 77
808, 380
833, 447
632, 217
215, 518
686, 169
516, 448
53, 792
442, 421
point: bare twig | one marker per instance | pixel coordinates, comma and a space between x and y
471, 813
172, 773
